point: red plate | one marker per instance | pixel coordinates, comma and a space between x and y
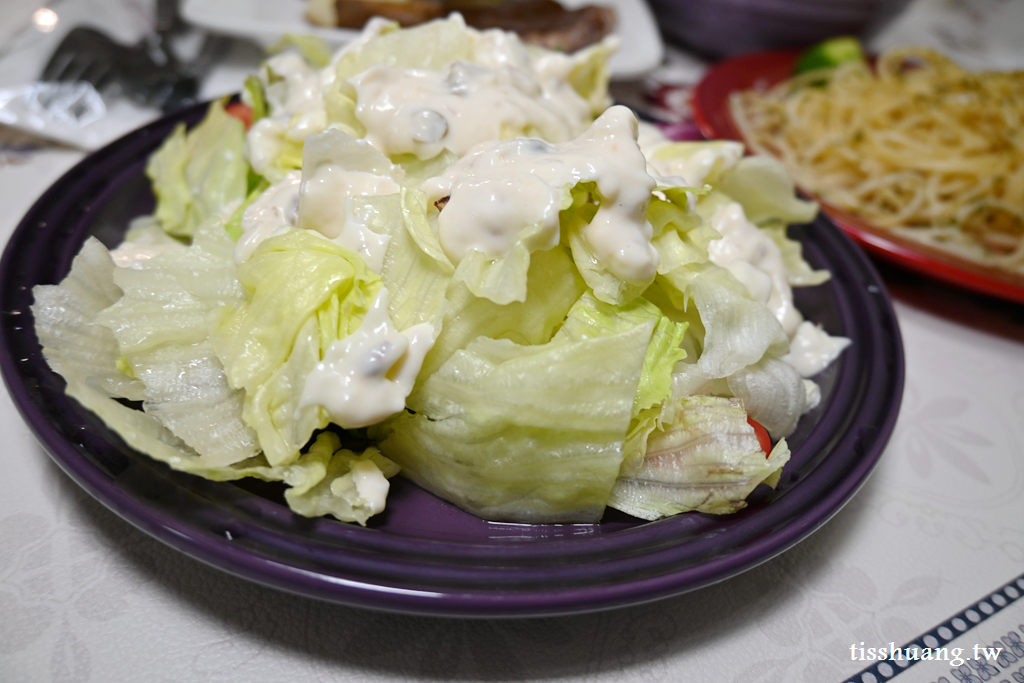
710, 104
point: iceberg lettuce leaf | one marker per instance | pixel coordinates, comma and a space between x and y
86, 355
500, 434
199, 172
695, 162
289, 278
589, 74
681, 235
415, 271
162, 324
801, 274
64, 317
553, 285
303, 293
706, 458
433, 45
773, 393
337, 481
737, 331
760, 183
590, 318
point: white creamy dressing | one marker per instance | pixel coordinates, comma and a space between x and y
322, 203
370, 484
297, 109
756, 261
272, 213
366, 377
326, 205
423, 112
265, 142
501, 188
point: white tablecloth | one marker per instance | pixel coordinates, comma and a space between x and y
931, 547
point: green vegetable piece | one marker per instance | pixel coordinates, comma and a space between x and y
314, 49
197, 172
830, 53
257, 96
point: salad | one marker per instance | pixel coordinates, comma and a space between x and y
446, 255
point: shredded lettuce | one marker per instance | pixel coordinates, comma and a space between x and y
197, 173
591, 317
553, 287
161, 324
302, 294
760, 183
705, 459
337, 481
500, 434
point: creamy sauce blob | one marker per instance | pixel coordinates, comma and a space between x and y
756, 261
366, 377
423, 112
272, 213
370, 483
501, 188
264, 142
326, 205
297, 106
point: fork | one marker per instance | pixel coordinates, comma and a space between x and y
147, 72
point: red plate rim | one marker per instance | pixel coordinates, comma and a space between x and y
710, 104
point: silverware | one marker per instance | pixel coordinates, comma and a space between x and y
149, 72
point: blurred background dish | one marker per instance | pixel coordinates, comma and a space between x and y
724, 28
710, 104
265, 22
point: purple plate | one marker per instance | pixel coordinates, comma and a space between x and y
423, 556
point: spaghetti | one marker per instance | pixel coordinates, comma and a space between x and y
915, 144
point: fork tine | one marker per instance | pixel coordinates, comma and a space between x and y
62, 56
73, 69
57, 66
105, 80
76, 53
78, 69
96, 72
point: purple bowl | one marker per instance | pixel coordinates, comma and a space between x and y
422, 555
725, 28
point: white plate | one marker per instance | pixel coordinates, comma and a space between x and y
266, 21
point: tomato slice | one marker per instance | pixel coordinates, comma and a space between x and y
242, 112
762, 436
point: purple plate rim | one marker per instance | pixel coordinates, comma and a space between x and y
393, 570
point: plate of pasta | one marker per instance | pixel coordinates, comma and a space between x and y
917, 159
